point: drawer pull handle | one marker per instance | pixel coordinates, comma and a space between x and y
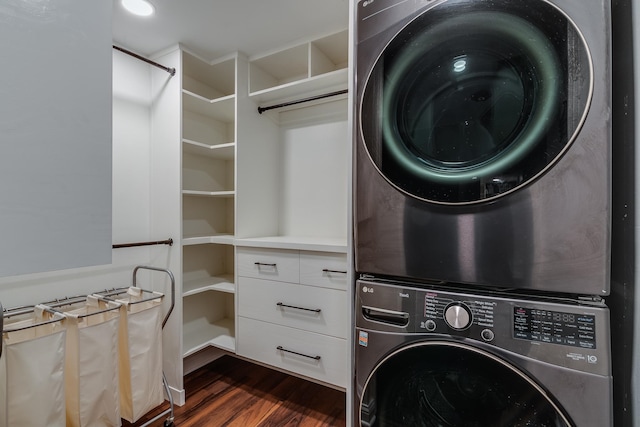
264, 264
315, 310
281, 348
326, 270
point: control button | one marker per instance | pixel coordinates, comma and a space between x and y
457, 316
487, 335
430, 325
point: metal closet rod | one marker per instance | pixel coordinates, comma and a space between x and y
155, 242
299, 101
171, 71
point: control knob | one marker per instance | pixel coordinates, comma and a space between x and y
457, 316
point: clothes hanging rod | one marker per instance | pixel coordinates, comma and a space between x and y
155, 242
312, 98
171, 71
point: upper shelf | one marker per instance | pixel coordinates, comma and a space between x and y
210, 80
306, 69
208, 88
221, 109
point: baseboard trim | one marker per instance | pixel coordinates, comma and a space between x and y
179, 396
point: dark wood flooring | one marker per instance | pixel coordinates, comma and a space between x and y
234, 392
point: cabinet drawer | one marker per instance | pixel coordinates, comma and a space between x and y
324, 269
281, 265
303, 307
321, 357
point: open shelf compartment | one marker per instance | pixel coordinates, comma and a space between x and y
208, 267
209, 321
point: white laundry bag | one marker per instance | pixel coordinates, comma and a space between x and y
140, 353
91, 364
32, 372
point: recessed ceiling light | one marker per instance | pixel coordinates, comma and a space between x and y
138, 7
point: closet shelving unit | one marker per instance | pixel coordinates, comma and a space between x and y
310, 69
292, 215
268, 182
208, 202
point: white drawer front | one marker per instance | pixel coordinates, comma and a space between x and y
324, 269
303, 307
281, 265
261, 341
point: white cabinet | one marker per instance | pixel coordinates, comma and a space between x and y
290, 304
293, 311
316, 356
208, 203
327, 270
279, 265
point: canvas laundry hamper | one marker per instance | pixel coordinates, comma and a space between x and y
32, 371
140, 351
91, 363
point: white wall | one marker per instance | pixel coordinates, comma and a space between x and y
166, 202
55, 122
313, 196
131, 211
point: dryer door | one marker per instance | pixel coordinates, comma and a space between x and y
442, 384
473, 99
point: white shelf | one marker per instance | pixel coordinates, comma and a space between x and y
308, 69
200, 333
220, 284
321, 244
222, 109
210, 79
218, 151
208, 193
209, 131
221, 239
207, 176
308, 87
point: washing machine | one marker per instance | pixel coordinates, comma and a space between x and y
431, 357
482, 143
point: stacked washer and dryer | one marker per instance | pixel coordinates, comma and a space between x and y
482, 213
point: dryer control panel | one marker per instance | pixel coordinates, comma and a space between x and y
558, 332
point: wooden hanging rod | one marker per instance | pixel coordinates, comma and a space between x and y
155, 242
171, 71
299, 101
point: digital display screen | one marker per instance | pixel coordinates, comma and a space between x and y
577, 330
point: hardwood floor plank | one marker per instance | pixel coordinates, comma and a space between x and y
311, 406
236, 393
241, 395
263, 403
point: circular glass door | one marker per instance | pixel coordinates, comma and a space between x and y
474, 99
439, 384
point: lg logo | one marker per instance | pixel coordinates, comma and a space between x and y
366, 3
367, 290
